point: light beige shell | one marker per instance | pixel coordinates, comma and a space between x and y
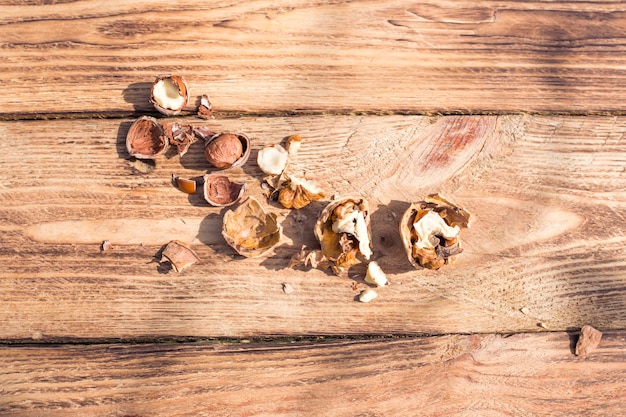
250, 229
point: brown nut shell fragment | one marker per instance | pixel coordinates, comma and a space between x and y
430, 231
588, 341
181, 136
205, 110
219, 191
145, 139
344, 232
169, 94
251, 230
227, 150
179, 254
296, 193
185, 185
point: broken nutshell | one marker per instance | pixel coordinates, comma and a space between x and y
145, 139
179, 254
181, 136
227, 150
185, 185
205, 110
219, 191
169, 94
292, 192
250, 229
430, 231
344, 232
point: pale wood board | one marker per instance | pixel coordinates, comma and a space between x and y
547, 193
328, 56
479, 375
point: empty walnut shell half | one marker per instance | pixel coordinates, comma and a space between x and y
430, 231
227, 150
146, 139
219, 191
169, 94
344, 232
251, 230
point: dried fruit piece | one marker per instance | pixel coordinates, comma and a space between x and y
430, 231
179, 254
251, 230
292, 144
343, 230
219, 191
184, 184
588, 341
205, 109
367, 295
227, 150
272, 159
375, 275
169, 94
181, 136
146, 139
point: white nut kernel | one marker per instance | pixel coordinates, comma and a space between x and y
375, 275
272, 159
367, 295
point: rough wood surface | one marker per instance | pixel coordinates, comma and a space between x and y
547, 194
272, 57
524, 374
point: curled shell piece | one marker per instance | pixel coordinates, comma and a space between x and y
179, 254
250, 229
430, 231
181, 136
344, 232
219, 191
145, 138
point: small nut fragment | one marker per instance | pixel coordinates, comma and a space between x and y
287, 288
179, 254
296, 193
106, 246
430, 231
169, 94
146, 139
251, 230
181, 136
226, 150
272, 159
367, 295
343, 230
292, 144
185, 185
205, 109
219, 191
375, 275
588, 341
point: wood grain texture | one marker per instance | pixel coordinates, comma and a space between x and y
530, 375
548, 195
324, 56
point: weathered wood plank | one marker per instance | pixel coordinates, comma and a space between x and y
548, 195
273, 57
524, 374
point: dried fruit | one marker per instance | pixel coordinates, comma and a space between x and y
272, 159
367, 295
181, 136
343, 230
430, 231
169, 94
588, 341
205, 109
179, 254
251, 230
219, 191
146, 139
375, 275
226, 150
184, 184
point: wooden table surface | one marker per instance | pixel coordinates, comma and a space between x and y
515, 110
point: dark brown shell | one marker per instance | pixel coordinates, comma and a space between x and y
145, 138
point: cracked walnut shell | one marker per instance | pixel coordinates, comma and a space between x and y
430, 231
250, 229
